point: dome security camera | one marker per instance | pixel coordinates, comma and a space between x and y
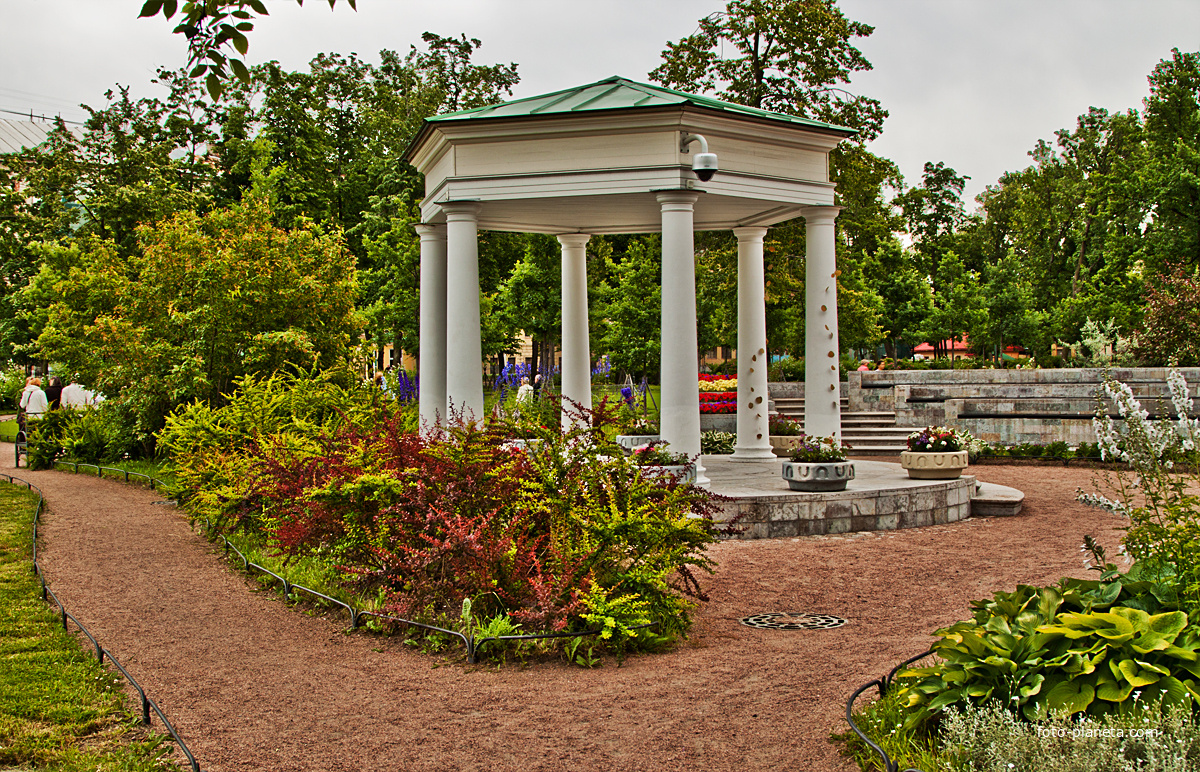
704, 163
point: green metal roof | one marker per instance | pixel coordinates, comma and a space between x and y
617, 93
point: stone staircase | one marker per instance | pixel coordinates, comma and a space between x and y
867, 433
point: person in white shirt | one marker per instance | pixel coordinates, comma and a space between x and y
33, 400
75, 397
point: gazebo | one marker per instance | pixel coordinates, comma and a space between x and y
615, 157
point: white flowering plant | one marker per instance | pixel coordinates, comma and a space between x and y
1158, 486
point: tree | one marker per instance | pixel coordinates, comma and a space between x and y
1172, 172
958, 303
205, 300
907, 299
788, 56
530, 299
1010, 318
1171, 328
933, 213
631, 307
212, 28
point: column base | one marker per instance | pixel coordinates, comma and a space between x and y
702, 480
753, 454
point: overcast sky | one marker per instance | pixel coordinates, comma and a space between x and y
974, 83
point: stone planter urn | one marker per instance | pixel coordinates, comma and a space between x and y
819, 476
782, 445
684, 473
923, 465
631, 441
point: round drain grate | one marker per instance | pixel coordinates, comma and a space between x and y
793, 621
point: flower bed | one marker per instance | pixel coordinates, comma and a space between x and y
718, 402
717, 383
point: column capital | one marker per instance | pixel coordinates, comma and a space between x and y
750, 233
461, 210
431, 231
817, 215
677, 198
574, 239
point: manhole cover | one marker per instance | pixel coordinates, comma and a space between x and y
793, 621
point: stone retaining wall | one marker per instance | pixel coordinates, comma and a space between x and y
813, 514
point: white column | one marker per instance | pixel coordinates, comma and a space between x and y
753, 442
822, 391
679, 424
576, 351
431, 366
464, 354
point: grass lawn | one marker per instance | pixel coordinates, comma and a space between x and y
59, 709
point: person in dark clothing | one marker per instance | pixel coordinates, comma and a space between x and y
54, 392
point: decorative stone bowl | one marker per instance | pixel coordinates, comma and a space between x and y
782, 445
684, 473
923, 465
631, 441
818, 476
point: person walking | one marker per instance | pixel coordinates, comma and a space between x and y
74, 396
54, 392
33, 402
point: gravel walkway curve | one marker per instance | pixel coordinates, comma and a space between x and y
254, 685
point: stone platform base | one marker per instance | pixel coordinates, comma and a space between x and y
880, 498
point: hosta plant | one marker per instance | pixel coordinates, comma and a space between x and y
1082, 647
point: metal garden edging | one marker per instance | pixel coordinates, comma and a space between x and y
884, 684
147, 704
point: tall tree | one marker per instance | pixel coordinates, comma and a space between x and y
787, 56
1172, 172
934, 212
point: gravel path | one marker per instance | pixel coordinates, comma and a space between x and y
254, 685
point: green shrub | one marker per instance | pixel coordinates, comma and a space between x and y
991, 739
1057, 449
12, 383
717, 443
570, 535
45, 436
1157, 492
1083, 647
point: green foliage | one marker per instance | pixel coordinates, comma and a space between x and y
568, 537
631, 304
883, 720
12, 383
210, 446
992, 739
1081, 647
1171, 325
717, 443
1157, 488
989, 738
780, 426
207, 300
46, 438
59, 708
215, 29
782, 56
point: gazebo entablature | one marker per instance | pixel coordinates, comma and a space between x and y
611, 158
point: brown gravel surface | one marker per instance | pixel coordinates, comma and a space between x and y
254, 685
